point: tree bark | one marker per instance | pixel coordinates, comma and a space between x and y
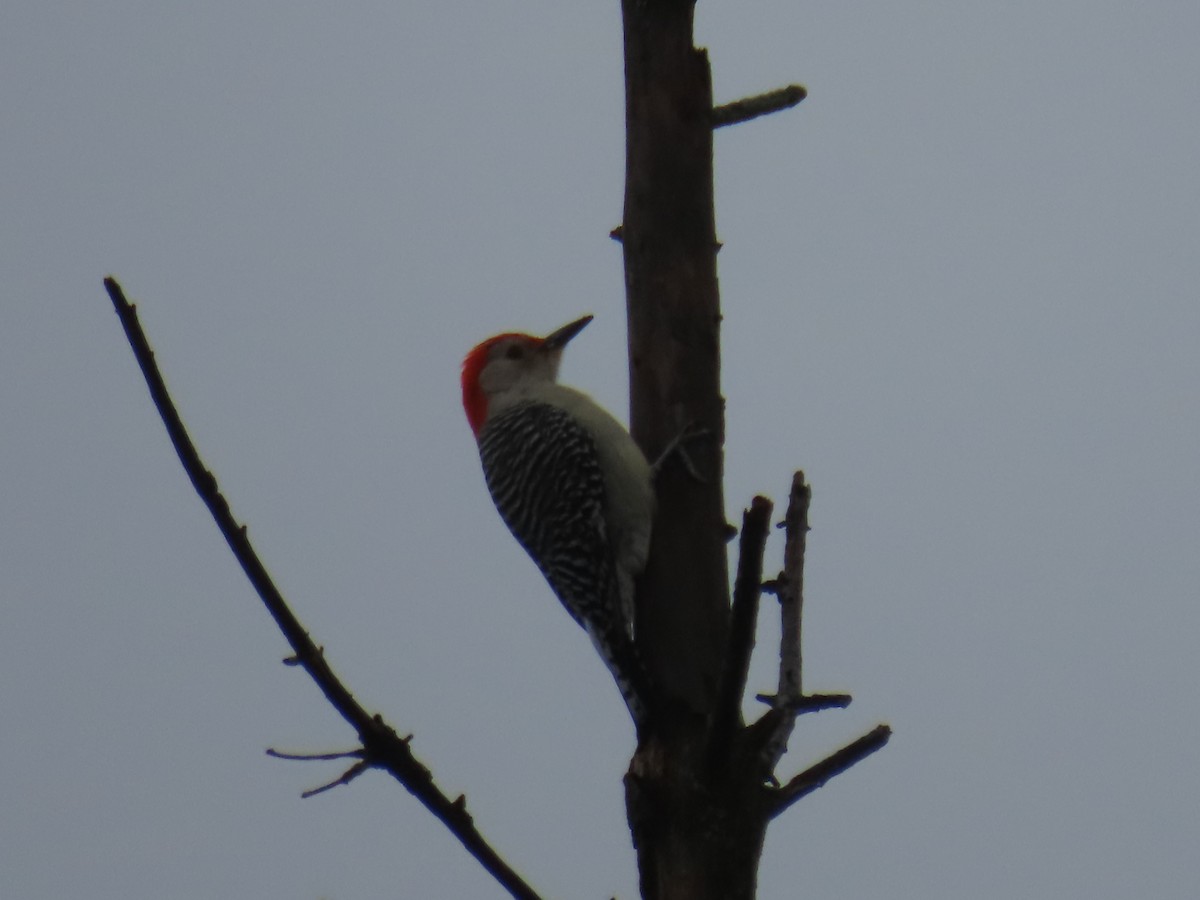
698, 833
670, 244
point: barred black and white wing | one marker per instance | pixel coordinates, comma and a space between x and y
543, 472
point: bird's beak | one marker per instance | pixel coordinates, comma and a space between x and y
556, 340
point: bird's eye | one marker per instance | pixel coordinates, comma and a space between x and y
516, 351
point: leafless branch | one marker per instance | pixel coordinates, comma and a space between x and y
806, 704
315, 757
759, 105
345, 778
382, 747
774, 728
727, 712
816, 776
791, 594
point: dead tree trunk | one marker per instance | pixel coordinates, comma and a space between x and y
694, 838
697, 792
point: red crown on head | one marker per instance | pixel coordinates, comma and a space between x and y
473, 398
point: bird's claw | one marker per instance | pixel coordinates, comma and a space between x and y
693, 431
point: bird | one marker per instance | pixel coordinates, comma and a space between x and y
571, 485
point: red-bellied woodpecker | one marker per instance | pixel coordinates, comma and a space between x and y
571, 485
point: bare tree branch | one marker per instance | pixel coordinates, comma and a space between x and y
789, 589
791, 595
806, 704
345, 778
383, 748
816, 776
315, 757
727, 711
759, 105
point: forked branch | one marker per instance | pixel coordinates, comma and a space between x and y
382, 747
789, 590
771, 732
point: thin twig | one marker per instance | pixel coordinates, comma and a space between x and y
382, 747
315, 757
816, 776
345, 778
806, 704
727, 712
759, 105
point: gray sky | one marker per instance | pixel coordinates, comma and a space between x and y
960, 291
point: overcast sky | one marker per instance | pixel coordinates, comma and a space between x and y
960, 291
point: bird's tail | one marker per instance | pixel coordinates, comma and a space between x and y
624, 662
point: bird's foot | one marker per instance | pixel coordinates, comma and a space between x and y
692, 432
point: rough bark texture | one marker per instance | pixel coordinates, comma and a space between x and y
670, 245
697, 838
698, 833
